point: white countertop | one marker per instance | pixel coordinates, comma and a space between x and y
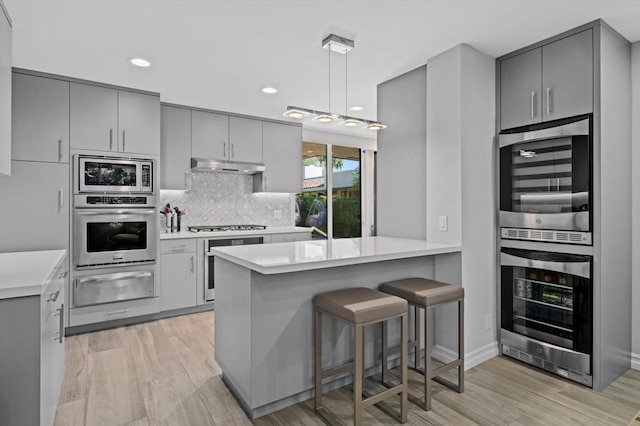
227, 234
28, 273
316, 254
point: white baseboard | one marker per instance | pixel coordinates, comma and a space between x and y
635, 361
471, 359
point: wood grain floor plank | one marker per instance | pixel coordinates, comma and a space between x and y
113, 394
107, 339
173, 400
153, 355
70, 413
196, 354
75, 378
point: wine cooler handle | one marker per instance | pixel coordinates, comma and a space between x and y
580, 269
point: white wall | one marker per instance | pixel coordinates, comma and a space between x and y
635, 131
460, 185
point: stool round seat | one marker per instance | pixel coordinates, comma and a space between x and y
360, 305
422, 291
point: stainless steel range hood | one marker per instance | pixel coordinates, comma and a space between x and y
217, 166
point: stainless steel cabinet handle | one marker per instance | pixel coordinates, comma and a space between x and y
110, 139
59, 149
224, 150
53, 296
533, 104
60, 199
186, 179
179, 248
265, 182
548, 185
124, 140
233, 150
549, 101
60, 314
120, 312
191, 264
63, 274
123, 211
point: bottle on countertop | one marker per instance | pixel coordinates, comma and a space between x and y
174, 221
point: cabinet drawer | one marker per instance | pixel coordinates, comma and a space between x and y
178, 246
113, 311
293, 236
53, 294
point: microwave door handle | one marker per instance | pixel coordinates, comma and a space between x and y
110, 212
581, 269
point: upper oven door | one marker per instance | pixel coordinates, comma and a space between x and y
114, 175
114, 236
545, 178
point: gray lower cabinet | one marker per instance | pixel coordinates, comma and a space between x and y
547, 83
282, 156
245, 136
32, 356
210, 135
175, 147
40, 119
5, 91
178, 274
35, 205
113, 120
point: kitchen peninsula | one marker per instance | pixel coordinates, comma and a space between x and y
264, 310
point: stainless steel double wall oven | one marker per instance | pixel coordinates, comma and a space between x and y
115, 230
546, 255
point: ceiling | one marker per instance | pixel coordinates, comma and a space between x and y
218, 54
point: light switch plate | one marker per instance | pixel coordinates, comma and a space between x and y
442, 223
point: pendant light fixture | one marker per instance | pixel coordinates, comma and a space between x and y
335, 43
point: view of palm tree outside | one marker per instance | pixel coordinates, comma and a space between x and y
311, 204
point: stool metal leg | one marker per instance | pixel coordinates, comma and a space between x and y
427, 363
357, 382
385, 354
404, 356
461, 345
318, 359
416, 337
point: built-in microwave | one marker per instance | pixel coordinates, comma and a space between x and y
112, 174
546, 182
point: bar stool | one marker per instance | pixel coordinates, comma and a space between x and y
360, 307
422, 293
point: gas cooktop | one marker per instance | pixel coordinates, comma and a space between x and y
216, 228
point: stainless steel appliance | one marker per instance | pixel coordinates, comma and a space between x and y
114, 230
114, 175
209, 281
546, 182
113, 287
547, 311
219, 228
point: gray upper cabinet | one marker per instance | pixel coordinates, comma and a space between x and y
282, 154
35, 202
108, 119
175, 147
138, 123
520, 78
40, 119
567, 76
210, 135
548, 83
94, 117
5, 91
245, 135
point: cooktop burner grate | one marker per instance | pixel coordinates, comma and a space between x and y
217, 228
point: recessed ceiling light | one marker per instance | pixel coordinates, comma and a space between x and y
140, 62
269, 90
309, 151
356, 108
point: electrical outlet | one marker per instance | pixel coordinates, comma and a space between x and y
488, 322
442, 223
277, 214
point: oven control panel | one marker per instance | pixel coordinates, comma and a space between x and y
92, 200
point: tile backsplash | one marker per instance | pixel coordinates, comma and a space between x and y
228, 199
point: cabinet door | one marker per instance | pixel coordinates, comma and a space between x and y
209, 135
177, 281
40, 119
282, 154
567, 76
94, 117
175, 148
35, 205
138, 123
52, 366
520, 83
245, 135
5, 94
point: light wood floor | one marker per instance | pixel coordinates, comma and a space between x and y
163, 372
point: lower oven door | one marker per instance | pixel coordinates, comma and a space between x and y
114, 236
115, 287
546, 298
